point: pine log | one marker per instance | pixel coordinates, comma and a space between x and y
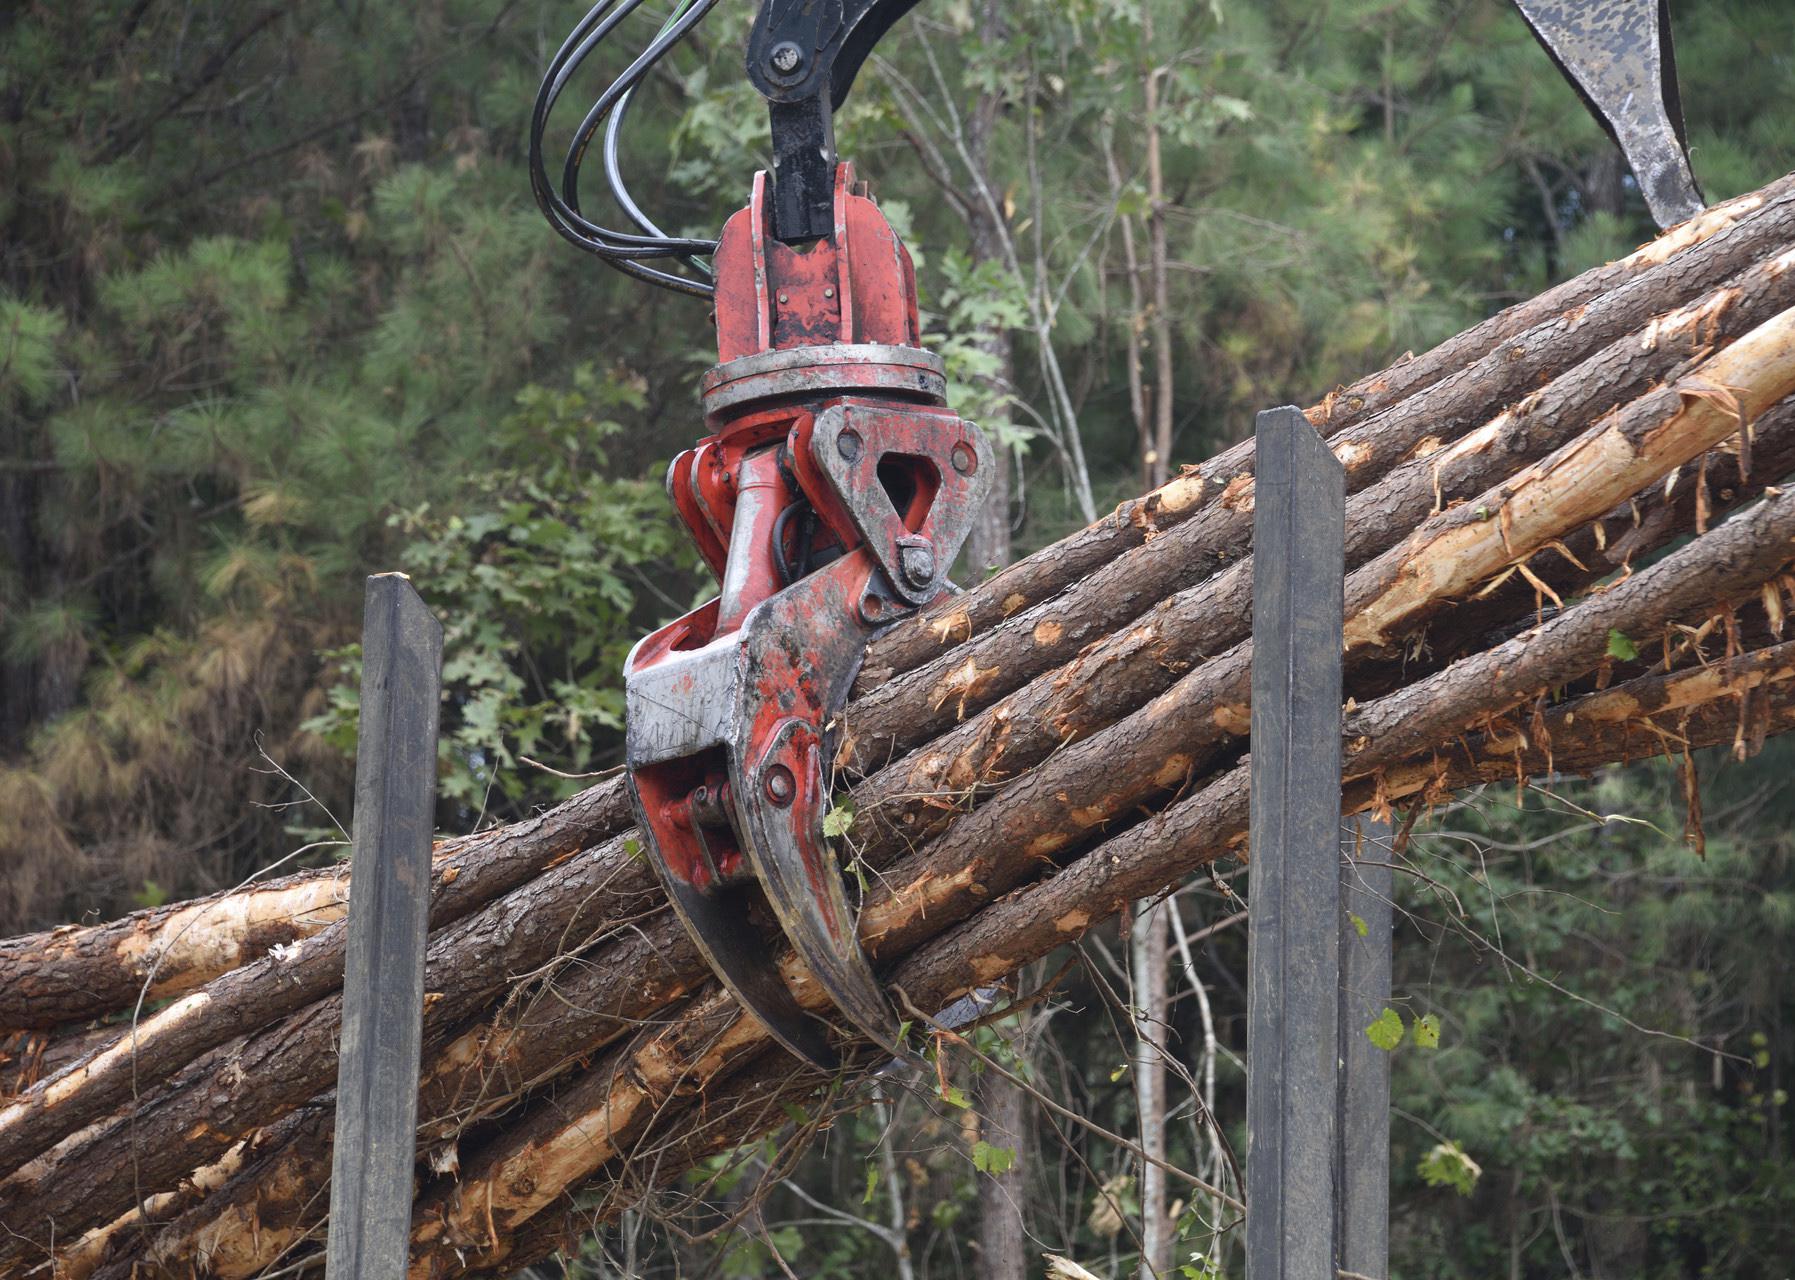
1700, 707
76, 973
1699, 711
1699, 264
1519, 467
512, 1182
181, 1122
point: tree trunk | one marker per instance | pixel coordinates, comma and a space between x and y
1026, 759
1147, 945
988, 545
999, 1100
1159, 459
1003, 1122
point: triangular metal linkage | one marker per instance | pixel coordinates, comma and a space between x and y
1617, 54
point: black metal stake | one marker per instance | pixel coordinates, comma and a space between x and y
389, 919
1293, 991
1366, 882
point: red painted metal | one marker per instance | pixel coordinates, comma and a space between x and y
858, 286
831, 498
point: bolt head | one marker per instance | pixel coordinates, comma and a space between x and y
966, 458
786, 57
780, 785
918, 565
847, 444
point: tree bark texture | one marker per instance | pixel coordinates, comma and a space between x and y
1026, 760
1003, 1122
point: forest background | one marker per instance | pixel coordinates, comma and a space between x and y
276, 311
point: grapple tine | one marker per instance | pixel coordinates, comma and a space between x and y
780, 779
1617, 54
804, 888
737, 954
702, 714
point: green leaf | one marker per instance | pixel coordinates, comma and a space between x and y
1118, 1073
1359, 925
1619, 646
872, 1183
954, 1096
1427, 1031
1386, 1029
796, 1114
838, 821
993, 1160
1447, 1165
1201, 1267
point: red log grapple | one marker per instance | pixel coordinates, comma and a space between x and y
830, 501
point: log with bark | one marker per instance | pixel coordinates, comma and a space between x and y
1024, 760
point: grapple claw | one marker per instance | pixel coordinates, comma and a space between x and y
824, 407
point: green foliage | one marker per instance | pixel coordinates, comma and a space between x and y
1386, 1030
974, 299
536, 575
1447, 1165
1427, 1032
1613, 1065
994, 1160
1201, 1267
28, 365
151, 895
752, 1259
839, 820
249, 355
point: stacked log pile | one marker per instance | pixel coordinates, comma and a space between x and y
1566, 548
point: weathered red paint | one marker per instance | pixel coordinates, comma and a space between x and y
834, 490
857, 286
